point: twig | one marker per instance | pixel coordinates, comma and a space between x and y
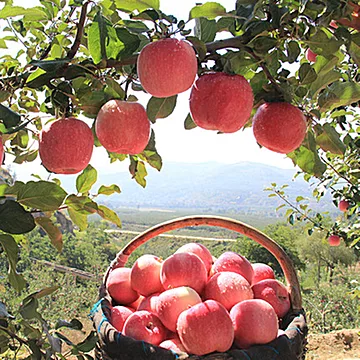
337, 172
80, 29
16, 34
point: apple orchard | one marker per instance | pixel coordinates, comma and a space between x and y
287, 69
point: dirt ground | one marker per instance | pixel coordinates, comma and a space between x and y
337, 345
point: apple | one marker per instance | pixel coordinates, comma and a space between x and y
135, 304
200, 250
222, 102
231, 261
1, 151
343, 205
118, 316
149, 303
275, 293
145, 275
119, 287
173, 344
255, 323
310, 55
205, 328
183, 269
262, 272
66, 146
228, 288
167, 67
334, 240
354, 22
146, 326
123, 127
171, 303
279, 126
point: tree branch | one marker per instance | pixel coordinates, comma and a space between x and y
80, 29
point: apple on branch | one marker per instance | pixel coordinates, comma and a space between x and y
167, 67
123, 127
66, 146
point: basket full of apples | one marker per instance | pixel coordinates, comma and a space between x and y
193, 306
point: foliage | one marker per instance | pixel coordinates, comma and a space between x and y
77, 55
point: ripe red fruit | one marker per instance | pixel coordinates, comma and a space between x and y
334, 240
119, 286
343, 205
119, 314
167, 67
262, 272
310, 55
221, 102
123, 127
355, 18
66, 146
279, 126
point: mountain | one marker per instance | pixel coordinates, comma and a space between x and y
208, 186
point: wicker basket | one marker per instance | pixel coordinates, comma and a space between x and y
112, 345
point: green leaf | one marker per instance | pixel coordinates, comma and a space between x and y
109, 214
78, 219
354, 49
189, 123
103, 41
150, 154
73, 324
9, 117
307, 74
12, 252
339, 94
89, 343
28, 308
139, 5
109, 190
86, 179
324, 44
81, 204
34, 75
199, 46
329, 140
293, 51
32, 14
15, 219
43, 195
45, 292
138, 171
159, 108
205, 30
3, 44
52, 230
209, 10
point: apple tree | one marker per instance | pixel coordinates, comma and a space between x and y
75, 56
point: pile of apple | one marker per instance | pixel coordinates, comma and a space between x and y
194, 303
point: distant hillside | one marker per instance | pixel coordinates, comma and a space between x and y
208, 187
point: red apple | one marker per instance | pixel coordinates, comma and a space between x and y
171, 303
119, 286
228, 288
1, 151
310, 55
200, 250
167, 67
65, 146
354, 22
173, 344
149, 303
275, 293
119, 314
262, 272
123, 127
221, 102
205, 328
231, 261
343, 205
183, 269
279, 126
135, 304
146, 326
255, 323
145, 275
334, 240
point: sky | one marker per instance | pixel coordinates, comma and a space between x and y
173, 142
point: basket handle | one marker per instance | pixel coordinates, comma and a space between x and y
230, 224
